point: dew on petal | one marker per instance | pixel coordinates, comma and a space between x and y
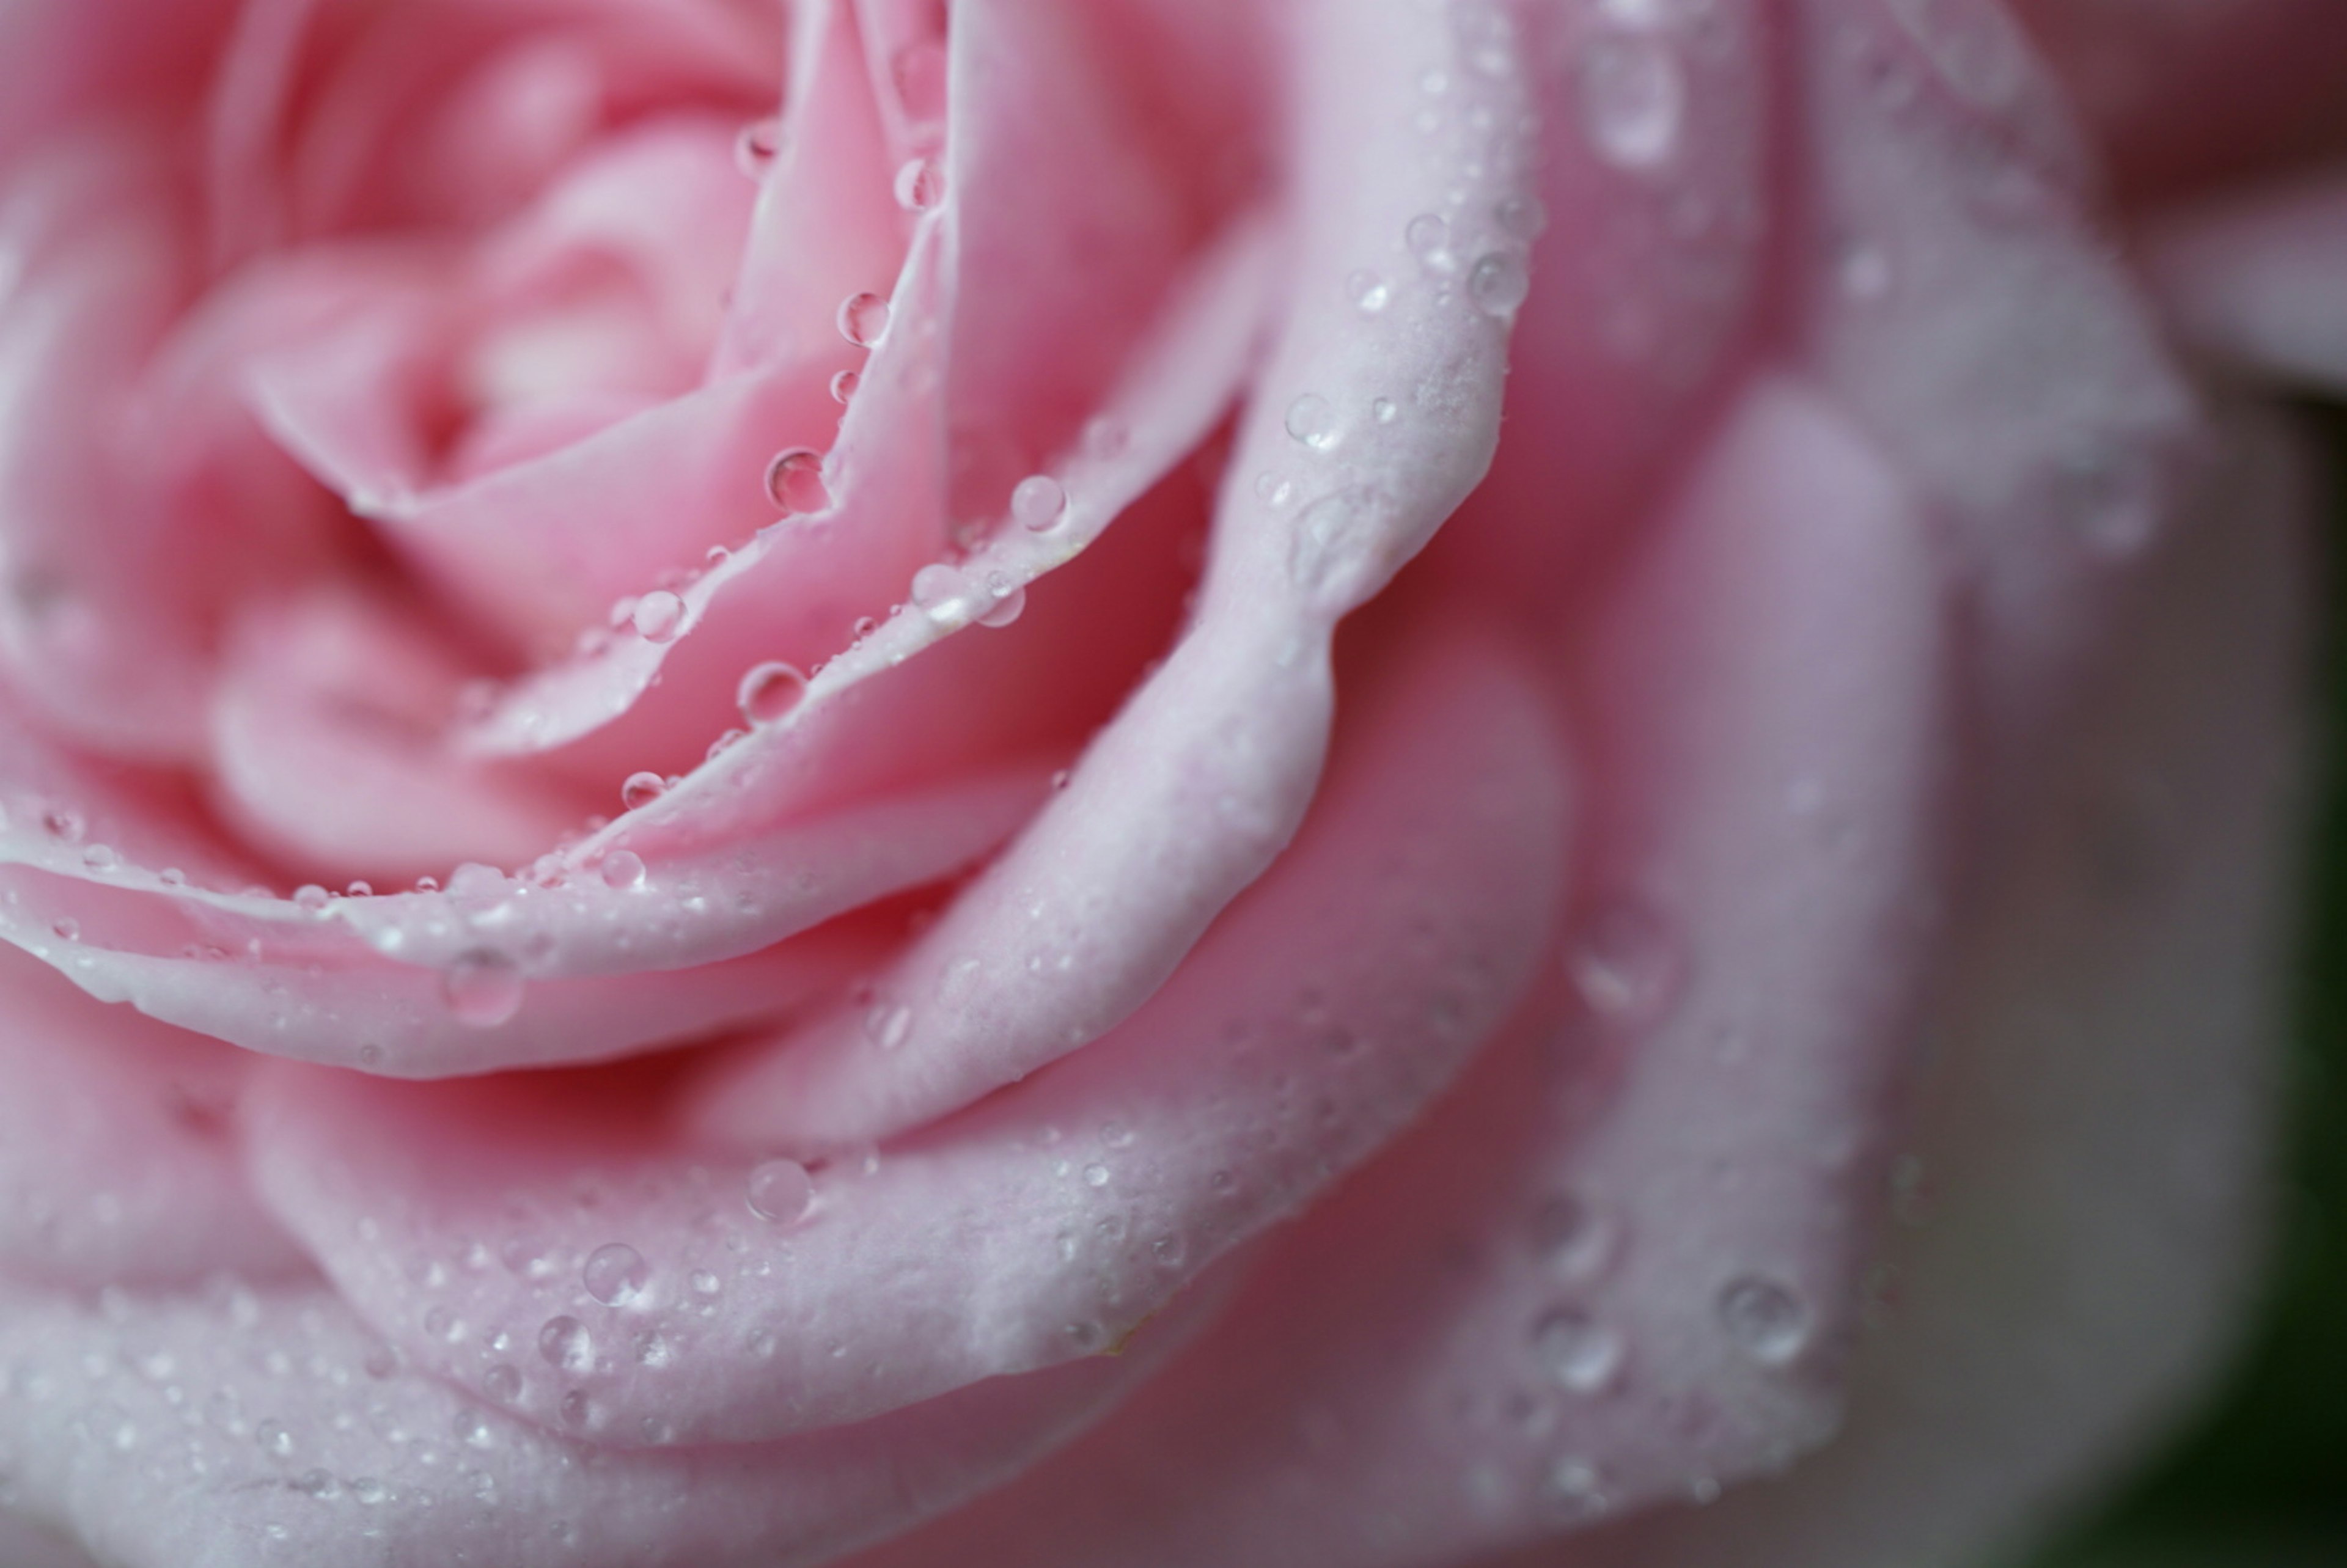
614, 1273
758, 145
1498, 283
623, 870
769, 691
844, 385
1038, 502
502, 1383
863, 319
942, 593
1369, 292
483, 987
1312, 420
1428, 238
565, 1342
1009, 604
1765, 1318
658, 616
780, 1193
641, 789
1633, 99
1626, 966
1579, 1352
794, 481
921, 185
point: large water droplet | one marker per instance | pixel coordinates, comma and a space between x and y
658, 616
1498, 283
614, 1273
483, 987
770, 692
943, 594
1580, 1353
1765, 1318
623, 870
863, 319
564, 1343
1009, 601
780, 1193
794, 481
1633, 99
1038, 502
1312, 420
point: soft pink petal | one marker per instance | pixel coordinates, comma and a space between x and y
1319, 1019
2260, 279
117, 1160
270, 1430
1199, 782
1517, 1320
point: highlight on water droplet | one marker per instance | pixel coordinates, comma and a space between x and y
658, 616
623, 870
1369, 292
769, 691
758, 145
1312, 420
1579, 1352
1429, 238
614, 1273
641, 789
1498, 283
1765, 1317
1037, 502
1626, 965
794, 481
863, 319
780, 1193
921, 185
564, 1343
483, 987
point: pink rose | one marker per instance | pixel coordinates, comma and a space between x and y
1723, 1013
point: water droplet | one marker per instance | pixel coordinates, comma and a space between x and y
921, 185
657, 617
102, 857
472, 1429
318, 1484
1575, 1486
1335, 541
1428, 238
795, 482
1038, 502
483, 987
1312, 421
863, 319
1580, 1353
888, 1025
942, 593
844, 385
273, 1438
1625, 966
780, 1192
756, 148
1765, 1318
1385, 410
1096, 1175
1633, 99
441, 1324
770, 692
614, 1273
641, 789
502, 1383
64, 824
578, 1409
564, 1343
65, 928
1369, 292
1009, 604
654, 1350
704, 1283
622, 870
1498, 283
1524, 217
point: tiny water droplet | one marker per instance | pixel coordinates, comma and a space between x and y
780, 1192
658, 616
483, 987
795, 482
1626, 966
502, 1383
863, 319
641, 789
888, 1025
102, 857
1096, 1175
1765, 1318
614, 1273
1038, 502
770, 692
1498, 283
1312, 421
1385, 411
1428, 238
921, 185
1579, 1352
1633, 99
756, 148
564, 1343
1369, 293
64, 824
622, 870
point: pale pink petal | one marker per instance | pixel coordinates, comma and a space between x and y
1621, 1258
1199, 782
2260, 279
1985, 332
117, 1159
270, 1430
1327, 1010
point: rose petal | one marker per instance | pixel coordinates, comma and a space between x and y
1319, 1019
118, 1166
1196, 785
1519, 1318
2261, 279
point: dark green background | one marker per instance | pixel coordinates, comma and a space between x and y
2260, 1479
